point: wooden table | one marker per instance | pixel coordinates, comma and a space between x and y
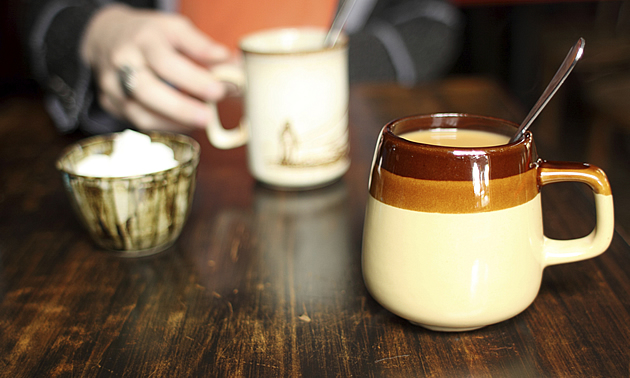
264, 283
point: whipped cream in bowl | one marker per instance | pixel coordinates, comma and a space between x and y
133, 154
132, 191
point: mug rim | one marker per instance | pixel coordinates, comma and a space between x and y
403, 171
413, 159
341, 44
509, 129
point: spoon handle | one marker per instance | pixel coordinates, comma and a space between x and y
338, 23
565, 69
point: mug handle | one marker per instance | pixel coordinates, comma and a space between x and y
595, 243
219, 136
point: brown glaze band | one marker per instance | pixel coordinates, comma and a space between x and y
428, 178
454, 197
428, 162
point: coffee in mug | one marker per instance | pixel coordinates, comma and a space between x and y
456, 138
453, 237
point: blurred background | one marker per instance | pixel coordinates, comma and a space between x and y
520, 44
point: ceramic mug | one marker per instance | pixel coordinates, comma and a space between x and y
453, 237
295, 121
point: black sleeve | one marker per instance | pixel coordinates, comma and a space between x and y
52, 32
407, 41
52, 35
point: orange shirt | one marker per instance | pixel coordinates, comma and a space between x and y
226, 21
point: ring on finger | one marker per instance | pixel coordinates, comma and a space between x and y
127, 77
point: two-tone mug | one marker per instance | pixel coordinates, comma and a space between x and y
453, 236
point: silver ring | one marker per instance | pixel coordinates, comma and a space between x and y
127, 78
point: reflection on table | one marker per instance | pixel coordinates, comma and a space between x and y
268, 283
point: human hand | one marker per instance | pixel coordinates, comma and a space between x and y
168, 62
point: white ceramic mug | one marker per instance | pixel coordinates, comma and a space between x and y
453, 237
295, 121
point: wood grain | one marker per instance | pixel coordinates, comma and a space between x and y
267, 283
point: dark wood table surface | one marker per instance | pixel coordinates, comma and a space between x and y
267, 283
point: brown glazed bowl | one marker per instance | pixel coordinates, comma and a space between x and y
137, 215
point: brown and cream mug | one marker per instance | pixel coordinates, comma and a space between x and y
453, 236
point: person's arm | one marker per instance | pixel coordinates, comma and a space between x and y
83, 53
166, 60
53, 34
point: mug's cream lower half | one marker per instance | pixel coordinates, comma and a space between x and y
453, 272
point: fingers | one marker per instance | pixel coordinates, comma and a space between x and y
139, 115
158, 96
183, 73
154, 94
162, 105
144, 119
170, 59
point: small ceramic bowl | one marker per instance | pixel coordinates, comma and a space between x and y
137, 215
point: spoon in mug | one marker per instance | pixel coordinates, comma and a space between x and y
565, 69
338, 23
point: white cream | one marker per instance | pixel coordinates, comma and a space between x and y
133, 154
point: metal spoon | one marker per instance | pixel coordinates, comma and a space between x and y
556, 81
338, 23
